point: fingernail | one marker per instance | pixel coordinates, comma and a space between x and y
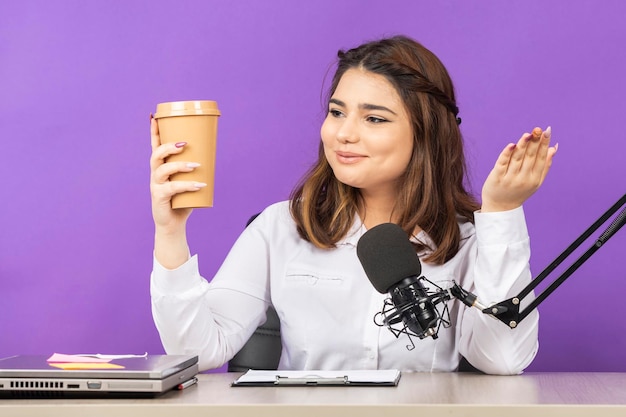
180, 144
536, 133
199, 185
556, 147
548, 132
512, 146
528, 137
192, 165
151, 116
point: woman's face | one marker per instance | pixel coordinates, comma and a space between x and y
367, 134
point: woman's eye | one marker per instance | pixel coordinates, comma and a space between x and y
375, 119
334, 112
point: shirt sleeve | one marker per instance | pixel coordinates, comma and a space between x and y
212, 320
500, 269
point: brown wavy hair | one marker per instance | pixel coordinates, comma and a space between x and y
432, 189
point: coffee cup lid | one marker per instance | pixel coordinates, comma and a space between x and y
187, 108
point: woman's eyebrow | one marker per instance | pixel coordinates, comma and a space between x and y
363, 106
367, 106
337, 102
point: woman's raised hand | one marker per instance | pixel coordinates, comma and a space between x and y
519, 171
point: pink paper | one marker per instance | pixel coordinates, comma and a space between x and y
91, 365
59, 357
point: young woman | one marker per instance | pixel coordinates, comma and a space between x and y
391, 151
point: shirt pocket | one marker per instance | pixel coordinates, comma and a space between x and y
309, 278
438, 277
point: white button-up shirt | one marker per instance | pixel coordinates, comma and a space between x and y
326, 303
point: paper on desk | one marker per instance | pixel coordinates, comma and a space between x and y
85, 365
110, 357
60, 357
362, 377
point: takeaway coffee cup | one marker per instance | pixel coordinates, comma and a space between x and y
194, 122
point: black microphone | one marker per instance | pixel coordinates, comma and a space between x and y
392, 266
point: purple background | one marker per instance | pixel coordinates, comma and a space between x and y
79, 79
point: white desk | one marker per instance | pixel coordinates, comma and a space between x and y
445, 394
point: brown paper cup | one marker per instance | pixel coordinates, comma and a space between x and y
194, 122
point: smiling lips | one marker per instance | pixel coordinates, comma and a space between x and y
349, 157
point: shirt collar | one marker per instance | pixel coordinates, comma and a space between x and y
358, 229
354, 233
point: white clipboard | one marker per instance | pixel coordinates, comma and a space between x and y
256, 378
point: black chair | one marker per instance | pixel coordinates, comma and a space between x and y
262, 350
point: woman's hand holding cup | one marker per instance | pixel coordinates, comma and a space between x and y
161, 188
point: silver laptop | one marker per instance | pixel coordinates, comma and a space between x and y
25, 376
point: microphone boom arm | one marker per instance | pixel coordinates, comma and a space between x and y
508, 311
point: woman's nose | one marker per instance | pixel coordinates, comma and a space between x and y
347, 132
